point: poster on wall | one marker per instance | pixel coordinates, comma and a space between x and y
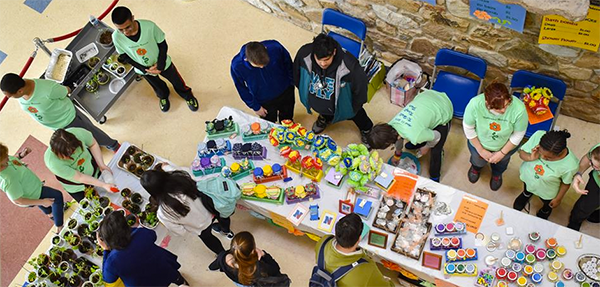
584, 34
511, 16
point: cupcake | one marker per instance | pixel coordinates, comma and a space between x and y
260, 191
273, 192
248, 188
300, 192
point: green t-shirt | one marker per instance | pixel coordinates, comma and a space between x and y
145, 50
594, 172
81, 161
49, 104
543, 177
493, 131
18, 181
417, 120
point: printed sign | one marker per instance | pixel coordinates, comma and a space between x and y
471, 211
511, 16
584, 34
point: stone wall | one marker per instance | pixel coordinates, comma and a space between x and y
414, 29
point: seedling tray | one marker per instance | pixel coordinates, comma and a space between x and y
136, 150
283, 175
113, 58
278, 201
238, 156
223, 134
317, 195
312, 177
461, 260
210, 170
244, 173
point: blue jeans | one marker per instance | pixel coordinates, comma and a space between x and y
57, 207
497, 168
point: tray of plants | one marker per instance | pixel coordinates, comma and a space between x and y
135, 161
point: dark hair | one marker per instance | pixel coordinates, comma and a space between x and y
114, 230
595, 153
120, 15
348, 230
11, 83
243, 249
323, 46
555, 141
3, 151
382, 136
496, 95
257, 53
63, 143
164, 186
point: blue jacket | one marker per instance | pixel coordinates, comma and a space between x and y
257, 86
349, 88
142, 263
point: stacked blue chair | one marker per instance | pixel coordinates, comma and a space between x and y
341, 20
460, 89
523, 78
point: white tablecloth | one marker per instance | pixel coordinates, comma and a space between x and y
522, 223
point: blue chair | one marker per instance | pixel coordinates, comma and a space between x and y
459, 88
341, 20
523, 78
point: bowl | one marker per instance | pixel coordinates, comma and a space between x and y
116, 85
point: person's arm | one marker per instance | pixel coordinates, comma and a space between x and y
375, 277
288, 65
124, 58
561, 193
270, 265
27, 201
534, 155
296, 69
216, 264
162, 55
243, 90
584, 164
86, 179
109, 274
97, 155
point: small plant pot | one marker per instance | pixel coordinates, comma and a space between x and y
75, 240
120, 71
43, 271
85, 204
125, 159
75, 281
57, 241
104, 201
31, 277
83, 229
64, 266
105, 39
94, 226
137, 158
113, 67
87, 284
69, 255
86, 247
72, 224
88, 216
102, 78
92, 62
99, 251
108, 210
137, 198
95, 278
126, 192
131, 219
43, 259
139, 170
92, 86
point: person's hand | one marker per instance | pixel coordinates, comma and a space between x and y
424, 150
46, 202
153, 70
101, 242
108, 187
535, 153
555, 202
485, 154
395, 160
262, 112
496, 157
576, 184
104, 167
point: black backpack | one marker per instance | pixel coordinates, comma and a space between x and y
321, 278
273, 281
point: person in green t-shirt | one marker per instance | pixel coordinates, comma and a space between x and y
494, 123
48, 103
76, 160
425, 123
142, 44
343, 250
588, 203
547, 170
25, 189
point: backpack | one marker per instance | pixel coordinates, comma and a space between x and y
273, 281
321, 278
223, 191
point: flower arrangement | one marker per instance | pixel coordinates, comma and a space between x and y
360, 165
537, 99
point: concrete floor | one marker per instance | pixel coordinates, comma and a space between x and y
203, 36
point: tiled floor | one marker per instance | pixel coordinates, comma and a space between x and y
203, 36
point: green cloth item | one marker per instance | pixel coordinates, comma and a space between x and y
364, 275
594, 172
145, 50
493, 131
417, 120
81, 161
49, 104
542, 177
18, 181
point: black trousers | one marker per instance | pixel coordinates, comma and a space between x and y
522, 200
361, 120
586, 205
282, 107
436, 153
81, 121
211, 241
162, 90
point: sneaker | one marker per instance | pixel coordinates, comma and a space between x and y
473, 174
228, 235
164, 105
216, 228
594, 217
192, 104
436, 179
363, 138
319, 125
496, 182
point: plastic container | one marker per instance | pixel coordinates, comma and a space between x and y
501, 284
116, 85
471, 253
460, 268
501, 273
440, 228
521, 281
561, 251
450, 268
540, 254
520, 256
530, 258
470, 269
505, 262
551, 242
556, 265
537, 278
510, 254
552, 276
512, 276
461, 253
528, 270
517, 267
529, 249
451, 254
534, 236
550, 254
538, 267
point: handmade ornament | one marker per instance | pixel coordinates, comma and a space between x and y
221, 128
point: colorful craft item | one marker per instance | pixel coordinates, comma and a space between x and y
529, 249
556, 265
276, 169
552, 276
285, 151
521, 281
267, 170
534, 236
235, 167
530, 258
550, 254
501, 273
260, 191
273, 192
540, 254
538, 267
561, 251
512, 276
537, 99
248, 188
301, 192
294, 156
354, 162
567, 274
528, 270
551, 242
255, 128
258, 172
536, 278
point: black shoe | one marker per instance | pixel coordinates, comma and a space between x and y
473, 174
363, 138
192, 104
594, 217
319, 125
164, 105
496, 182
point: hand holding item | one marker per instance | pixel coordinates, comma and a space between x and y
535, 152
101, 242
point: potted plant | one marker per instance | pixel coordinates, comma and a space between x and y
102, 78
99, 251
149, 219
69, 254
63, 266
126, 192
56, 258
74, 240
87, 284
108, 210
43, 271
57, 241
104, 201
98, 211
72, 224
75, 281
43, 259
131, 219
94, 226
31, 277
92, 62
83, 229
92, 86
139, 170
137, 158
95, 278
134, 208
85, 247
120, 71
137, 198
125, 160
88, 216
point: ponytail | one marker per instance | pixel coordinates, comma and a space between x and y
243, 249
555, 141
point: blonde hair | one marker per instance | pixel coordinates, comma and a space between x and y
3, 151
243, 249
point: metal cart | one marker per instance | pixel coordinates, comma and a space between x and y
98, 103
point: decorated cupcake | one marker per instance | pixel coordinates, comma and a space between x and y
300, 191
260, 191
248, 188
273, 192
